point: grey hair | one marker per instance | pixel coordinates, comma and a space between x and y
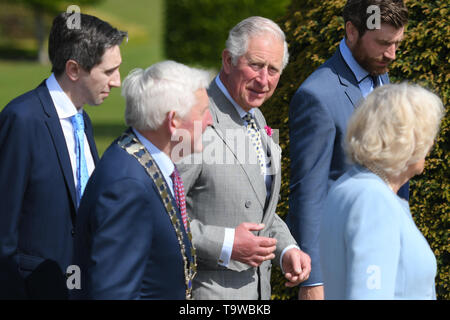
237, 42
163, 87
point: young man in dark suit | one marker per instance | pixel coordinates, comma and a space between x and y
47, 152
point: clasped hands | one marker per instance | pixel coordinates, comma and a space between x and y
254, 250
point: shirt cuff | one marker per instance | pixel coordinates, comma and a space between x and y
227, 247
312, 284
284, 251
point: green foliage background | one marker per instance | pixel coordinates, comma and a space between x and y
314, 30
196, 30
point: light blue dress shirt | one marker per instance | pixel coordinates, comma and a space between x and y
362, 76
370, 247
162, 160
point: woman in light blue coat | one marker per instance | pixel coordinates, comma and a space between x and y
370, 246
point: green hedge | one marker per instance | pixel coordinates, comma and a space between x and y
314, 30
196, 30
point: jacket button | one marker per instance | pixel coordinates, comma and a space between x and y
248, 204
73, 232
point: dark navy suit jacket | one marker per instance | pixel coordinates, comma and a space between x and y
37, 191
318, 117
126, 246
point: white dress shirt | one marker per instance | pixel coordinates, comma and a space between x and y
163, 161
65, 110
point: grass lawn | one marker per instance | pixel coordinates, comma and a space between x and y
143, 19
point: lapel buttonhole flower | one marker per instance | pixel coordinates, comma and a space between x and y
269, 130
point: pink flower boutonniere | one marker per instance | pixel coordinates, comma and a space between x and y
269, 130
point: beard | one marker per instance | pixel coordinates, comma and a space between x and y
374, 65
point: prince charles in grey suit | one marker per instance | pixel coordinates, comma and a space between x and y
232, 188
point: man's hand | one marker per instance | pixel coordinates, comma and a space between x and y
296, 266
251, 249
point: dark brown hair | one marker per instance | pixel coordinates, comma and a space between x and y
85, 44
392, 12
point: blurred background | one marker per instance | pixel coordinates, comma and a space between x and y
154, 34
21, 70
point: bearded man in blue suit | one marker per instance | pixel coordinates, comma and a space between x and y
320, 110
47, 152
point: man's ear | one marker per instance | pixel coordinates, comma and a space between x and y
73, 70
226, 61
351, 33
173, 122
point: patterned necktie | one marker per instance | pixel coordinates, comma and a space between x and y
82, 171
178, 189
255, 138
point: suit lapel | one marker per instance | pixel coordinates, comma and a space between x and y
228, 126
54, 127
89, 134
274, 154
347, 79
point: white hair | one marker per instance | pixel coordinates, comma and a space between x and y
163, 87
394, 127
237, 42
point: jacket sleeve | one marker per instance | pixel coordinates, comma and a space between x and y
207, 239
15, 161
312, 136
116, 258
372, 239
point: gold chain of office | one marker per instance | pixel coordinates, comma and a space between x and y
134, 147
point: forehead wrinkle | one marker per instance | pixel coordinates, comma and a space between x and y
257, 57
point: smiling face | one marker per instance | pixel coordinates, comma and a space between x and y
95, 86
376, 49
254, 78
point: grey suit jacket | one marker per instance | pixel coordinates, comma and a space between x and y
224, 188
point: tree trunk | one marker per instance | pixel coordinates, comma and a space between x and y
40, 35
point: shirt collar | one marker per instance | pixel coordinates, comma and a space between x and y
64, 106
359, 72
238, 108
162, 160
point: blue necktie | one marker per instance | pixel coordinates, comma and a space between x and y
82, 171
375, 81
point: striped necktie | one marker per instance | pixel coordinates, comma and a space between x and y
82, 170
178, 190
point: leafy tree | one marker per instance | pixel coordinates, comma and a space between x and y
314, 30
40, 9
196, 30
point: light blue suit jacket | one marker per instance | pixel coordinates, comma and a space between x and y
318, 117
370, 247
